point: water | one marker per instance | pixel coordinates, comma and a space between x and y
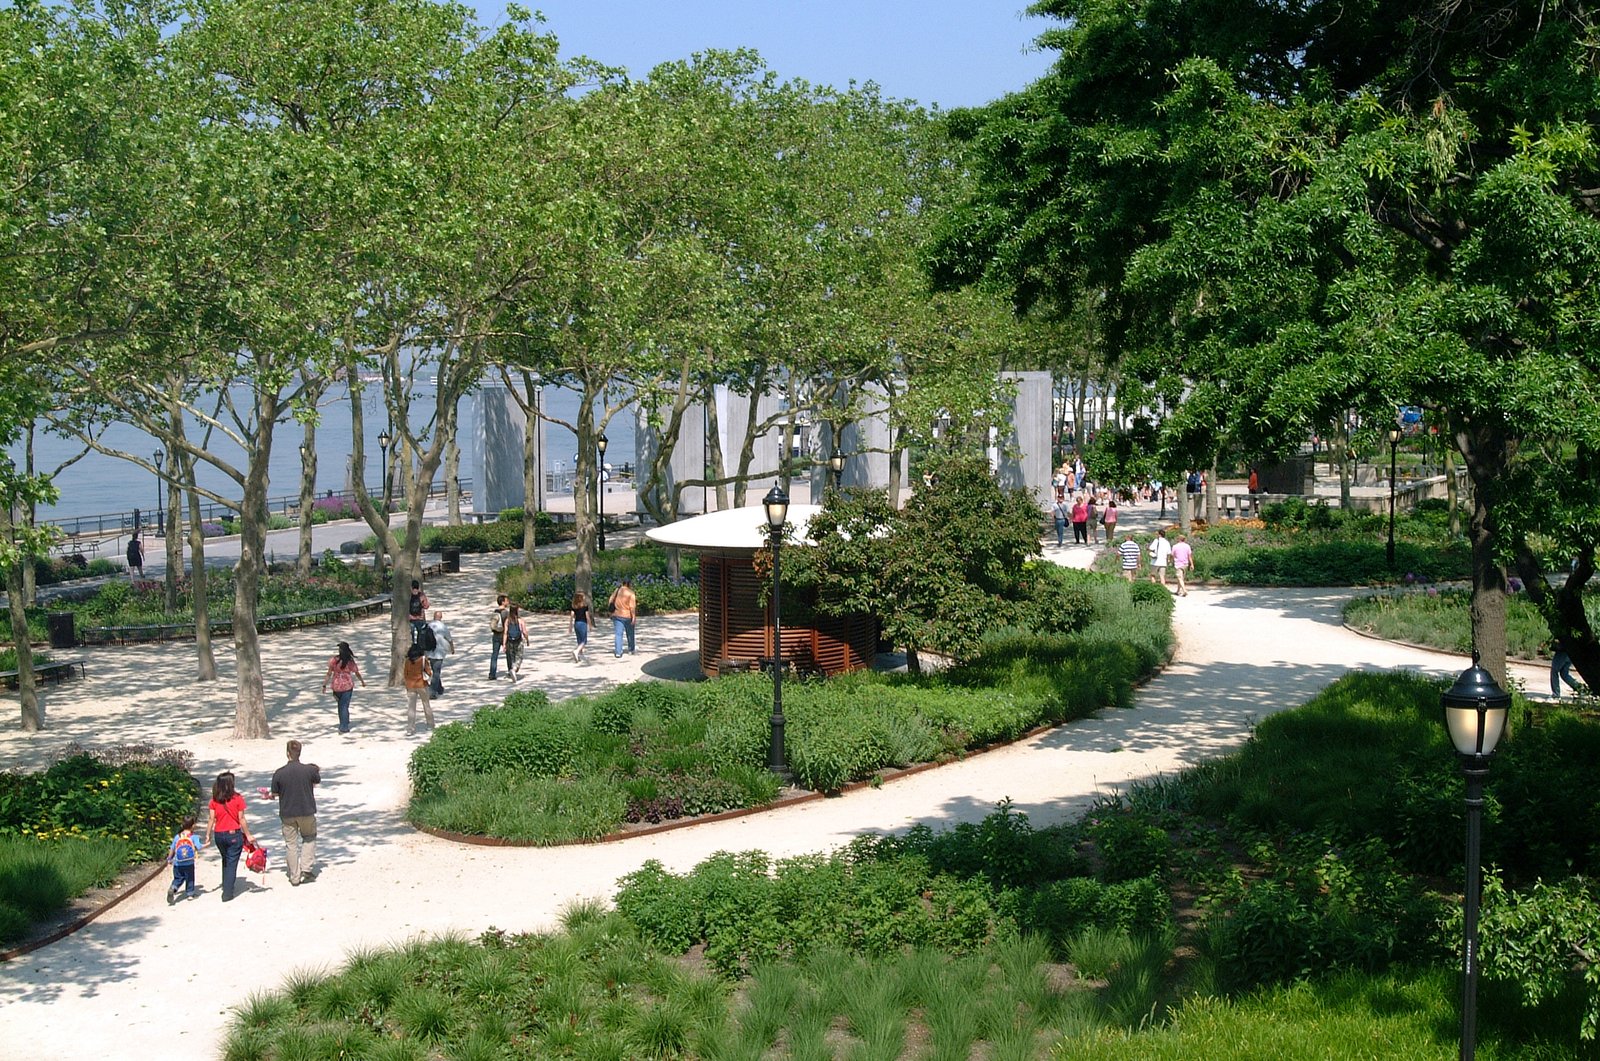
98, 484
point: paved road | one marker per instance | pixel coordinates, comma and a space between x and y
148, 980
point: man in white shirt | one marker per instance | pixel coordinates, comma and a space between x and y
442, 645
1160, 557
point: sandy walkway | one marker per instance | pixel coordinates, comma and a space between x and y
146, 980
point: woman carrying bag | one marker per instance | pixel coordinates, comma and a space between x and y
228, 829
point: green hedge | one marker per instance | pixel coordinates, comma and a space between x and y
549, 585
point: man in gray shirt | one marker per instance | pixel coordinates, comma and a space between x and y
297, 805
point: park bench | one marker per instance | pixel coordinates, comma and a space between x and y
54, 670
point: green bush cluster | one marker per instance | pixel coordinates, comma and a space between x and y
672, 751
956, 891
48, 571
77, 824
548, 586
1440, 618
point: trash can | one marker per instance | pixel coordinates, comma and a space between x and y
63, 629
450, 558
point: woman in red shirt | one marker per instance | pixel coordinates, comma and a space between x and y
228, 829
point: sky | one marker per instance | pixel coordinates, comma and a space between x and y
953, 53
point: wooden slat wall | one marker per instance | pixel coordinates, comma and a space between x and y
734, 626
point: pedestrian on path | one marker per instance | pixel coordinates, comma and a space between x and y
624, 605
516, 641
297, 808
1560, 669
1080, 521
343, 673
1160, 557
417, 611
228, 829
1182, 561
1091, 521
1129, 551
135, 556
578, 623
437, 643
1110, 518
497, 636
418, 679
1059, 513
181, 857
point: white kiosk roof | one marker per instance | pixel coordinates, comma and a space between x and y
734, 528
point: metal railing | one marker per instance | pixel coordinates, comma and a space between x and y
116, 524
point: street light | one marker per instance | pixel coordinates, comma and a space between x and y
600, 490
836, 465
777, 505
1394, 447
161, 521
1475, 710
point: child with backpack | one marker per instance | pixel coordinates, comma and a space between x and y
181, 857
516, 639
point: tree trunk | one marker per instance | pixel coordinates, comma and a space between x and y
913, 660
308, 491
531, 473
1452, 490
452, 482
714, 453
1563, 609
173, 532
583, 484
250, 713
1488, 454
27, 681
1343, 441
199, 579
1211, 494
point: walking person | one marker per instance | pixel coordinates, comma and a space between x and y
1091, 522
418, 680
578, 623
516, 640
1160, 557
343, 673
297, 809
1560, 669
1182, 561
497, 636
417, 611
227, 828
437, 643
1129, 551
1080, 521
1059, 512
624, 605
135, 556
1110, 519
181, 857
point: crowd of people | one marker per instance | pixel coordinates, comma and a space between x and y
1091, 509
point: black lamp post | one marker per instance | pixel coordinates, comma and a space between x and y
160, 457
600, 490
1475, 709
836, 465
777, 506
1394, 447
384, 439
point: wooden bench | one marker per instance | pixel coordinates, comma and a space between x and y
54, 670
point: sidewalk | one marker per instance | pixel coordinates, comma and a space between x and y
147, 979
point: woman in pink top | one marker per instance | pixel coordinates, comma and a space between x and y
1182, 560
1080, 521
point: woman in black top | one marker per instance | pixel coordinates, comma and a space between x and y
579, 624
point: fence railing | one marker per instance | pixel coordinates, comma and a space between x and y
114, 524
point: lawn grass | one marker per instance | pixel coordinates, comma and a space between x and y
1439, 618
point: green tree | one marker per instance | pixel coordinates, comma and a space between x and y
938, 572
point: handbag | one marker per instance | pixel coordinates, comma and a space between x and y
255, 858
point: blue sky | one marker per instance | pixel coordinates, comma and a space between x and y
954, 53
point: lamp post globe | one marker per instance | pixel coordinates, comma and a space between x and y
836, 465
776, 504
1475, 710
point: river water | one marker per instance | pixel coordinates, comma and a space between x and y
98, 484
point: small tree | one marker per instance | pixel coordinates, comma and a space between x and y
937, 573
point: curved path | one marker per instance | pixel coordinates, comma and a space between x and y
147, 980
